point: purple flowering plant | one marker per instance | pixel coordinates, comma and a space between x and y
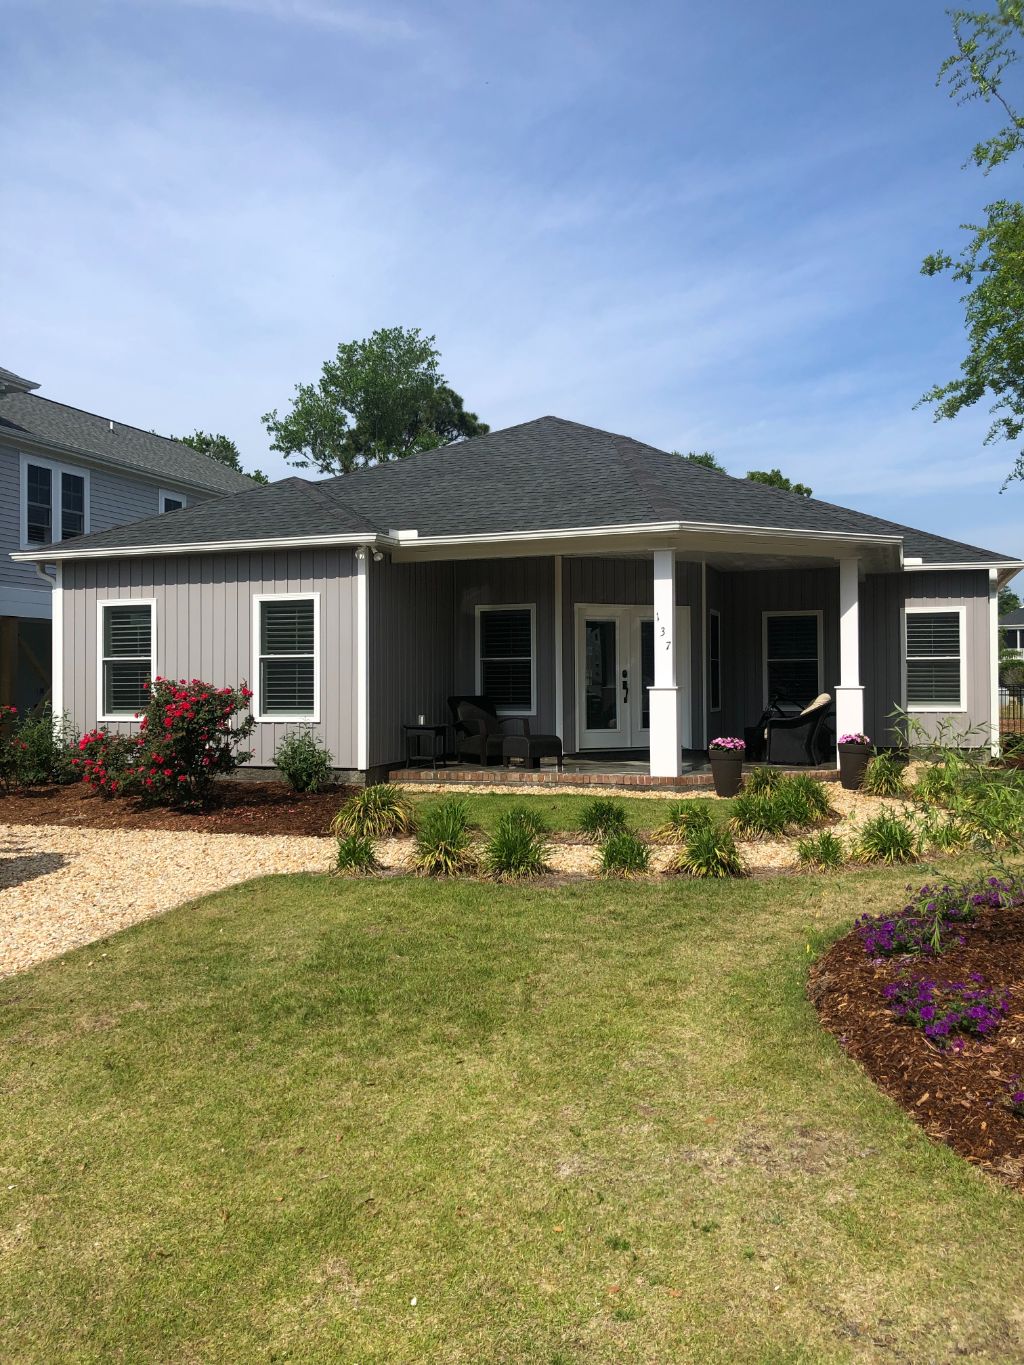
948, 1011
929, 923
1015, 1097
728, 744
854, 739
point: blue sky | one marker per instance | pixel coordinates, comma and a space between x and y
694, 223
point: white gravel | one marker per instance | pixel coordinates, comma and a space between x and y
61, 888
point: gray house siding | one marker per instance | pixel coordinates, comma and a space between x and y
883, 597
114, 498
204, 629
411, 635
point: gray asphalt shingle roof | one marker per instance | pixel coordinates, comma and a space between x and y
1013, 618
27, 416
549, 474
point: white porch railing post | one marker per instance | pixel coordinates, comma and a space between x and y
666, 755
849, 692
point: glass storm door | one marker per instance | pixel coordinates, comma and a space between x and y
604, 681
643, 671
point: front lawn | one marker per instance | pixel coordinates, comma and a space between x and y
562, 811
321, 1120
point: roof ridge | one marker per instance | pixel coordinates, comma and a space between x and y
128, 426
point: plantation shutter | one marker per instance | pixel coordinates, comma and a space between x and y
287, 656
127, 657
933, 659
506, 657
792, 657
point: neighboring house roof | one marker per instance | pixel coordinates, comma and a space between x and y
1013, 618
545, 475
13, 383
28, 418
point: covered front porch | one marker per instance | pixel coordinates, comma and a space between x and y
635, 658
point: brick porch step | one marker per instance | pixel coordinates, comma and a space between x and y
551, 777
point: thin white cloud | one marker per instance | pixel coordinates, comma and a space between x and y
368, 21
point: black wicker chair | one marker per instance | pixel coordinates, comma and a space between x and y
799, 739
479, 730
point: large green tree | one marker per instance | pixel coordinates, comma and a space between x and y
705, 458
379, 399
776, 479
222, 448
1008, 601
984, 66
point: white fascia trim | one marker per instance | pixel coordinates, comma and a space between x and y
1002, 566
646, 528
202, 547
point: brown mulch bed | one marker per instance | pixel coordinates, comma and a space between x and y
957, 1098
237, 808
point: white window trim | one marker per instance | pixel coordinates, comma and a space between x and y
810, 611
715, 709
56, 510
101, 605
164, 493
921, 708
269, 718
531, 607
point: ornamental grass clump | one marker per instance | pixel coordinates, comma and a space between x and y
886, 775
683, 819
624, 854
356, 855
443, 843
601, 817
710, 851
948, 1012
529, 817
379, 811
824, 851
305, 763
762, 780
757, 815
515, 850
886, 839
802, 801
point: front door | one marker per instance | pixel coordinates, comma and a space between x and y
615, 670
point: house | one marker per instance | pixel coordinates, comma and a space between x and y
617, 595
65, 473
1011, 633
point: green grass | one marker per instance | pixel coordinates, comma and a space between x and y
561, 813
588, 1123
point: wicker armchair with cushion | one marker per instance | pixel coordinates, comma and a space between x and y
799, 739
479, 731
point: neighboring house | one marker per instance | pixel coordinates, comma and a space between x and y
63, 474
620, 596
1011, 633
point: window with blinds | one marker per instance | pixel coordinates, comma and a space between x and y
287, 663
792, 648
127, 656
38, 504
72, 505
505, 661
714, 661
934, 661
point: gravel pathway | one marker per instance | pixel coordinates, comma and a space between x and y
61, 888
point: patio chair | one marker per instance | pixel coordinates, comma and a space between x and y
479, 731
798, 739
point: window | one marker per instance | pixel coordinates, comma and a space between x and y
505, 649
126, 656
934, 659
54, 501
172, 502
287, 633
792, 655
714, 661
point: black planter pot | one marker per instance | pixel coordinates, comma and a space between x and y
853, 764
727, 770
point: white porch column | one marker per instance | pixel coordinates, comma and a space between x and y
849, 692
666, 755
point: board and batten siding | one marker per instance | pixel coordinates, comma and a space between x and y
883, 598
204, 617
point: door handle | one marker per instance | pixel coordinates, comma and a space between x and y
625, 685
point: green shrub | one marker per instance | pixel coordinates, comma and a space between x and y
886, 839
528, 816
624, 854
106, 761
885, 775
515, 849
821, 850
682, 819
760, 781
603, 816
757, 815
710, 851
37, 749
802, 801
307, 764
376, 811
356, 854
443, 840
